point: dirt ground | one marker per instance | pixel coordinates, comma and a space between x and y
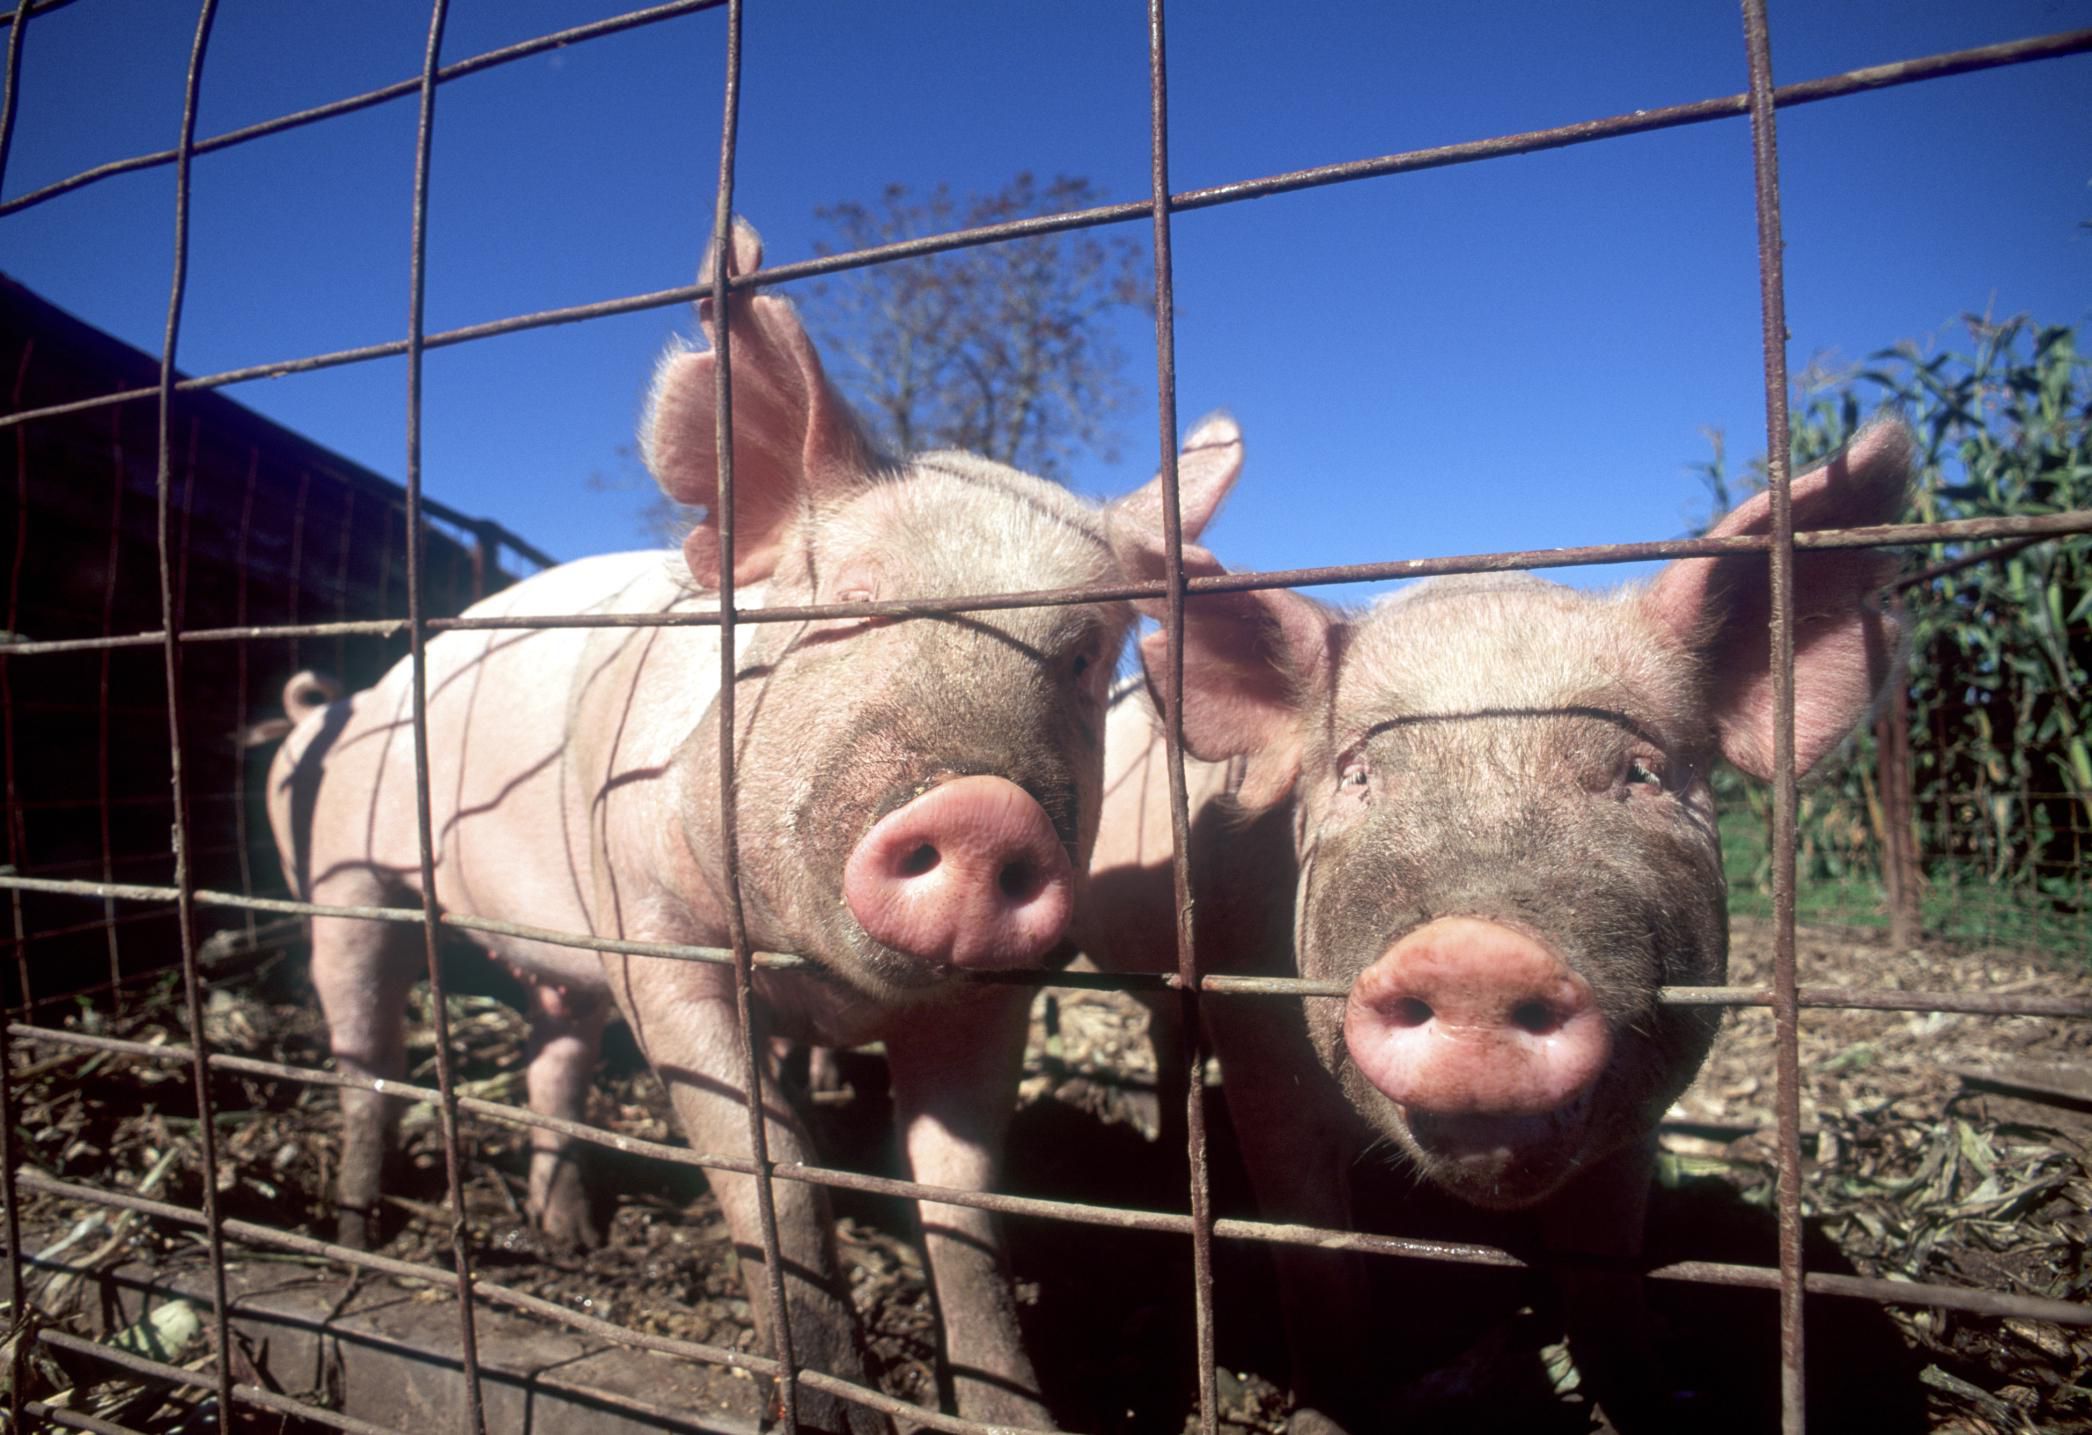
1941, 1148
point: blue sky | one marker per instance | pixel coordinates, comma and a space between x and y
1515, 354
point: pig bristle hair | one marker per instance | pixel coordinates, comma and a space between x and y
1453, 585
1027, 526
1398, 656
676, 348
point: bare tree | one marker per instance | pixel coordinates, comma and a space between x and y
1006, 349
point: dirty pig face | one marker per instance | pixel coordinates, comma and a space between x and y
1505, 834
916, 795
1506, 870
931, 781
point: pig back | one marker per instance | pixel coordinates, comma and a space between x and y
527, 729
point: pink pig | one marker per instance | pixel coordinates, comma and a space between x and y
1483, 805
917, 798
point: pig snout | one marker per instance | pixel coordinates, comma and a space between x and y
969, 874
1489, 1043
1466, 1017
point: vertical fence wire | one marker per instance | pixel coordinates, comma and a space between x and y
1194, 1053
1786, 1012
185, 895
10, 94
18, 1305
17, 855
787, 1390
294, 589
104, 660
453, 1164
17, 1297
241, 663
181, 572
16, 1334
341, 586
1780, 557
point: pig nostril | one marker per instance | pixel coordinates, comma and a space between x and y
1412, 1011
921, 860
1536, 1017
1018, 881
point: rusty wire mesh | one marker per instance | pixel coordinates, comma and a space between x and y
180, 894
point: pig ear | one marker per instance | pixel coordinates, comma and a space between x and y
795, 439
1722, 607
1207, 467
1251, 663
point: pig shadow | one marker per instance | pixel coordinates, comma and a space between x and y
1458, 1347
1108, 1316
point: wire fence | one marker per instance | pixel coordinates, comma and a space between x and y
178, 892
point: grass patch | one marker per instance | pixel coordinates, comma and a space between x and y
1960, 903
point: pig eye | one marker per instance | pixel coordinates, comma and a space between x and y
856, 580
1085, 660
1644, 775
1353, 796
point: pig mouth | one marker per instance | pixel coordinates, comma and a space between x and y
884, 971
1500, 1161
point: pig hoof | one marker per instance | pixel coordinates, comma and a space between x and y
568, 1226
571, 1235
559, 1207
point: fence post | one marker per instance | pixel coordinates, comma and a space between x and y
1900, 872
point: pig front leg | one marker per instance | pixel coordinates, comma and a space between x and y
1601, 1217
955, 1073
1298, 1153
362, 972
566, 1042
683, 1016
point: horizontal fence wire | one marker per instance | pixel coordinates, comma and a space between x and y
400, 89
1885, 999
159, 1371
2073, 523
1785, 995
1526, 142
1893, 1292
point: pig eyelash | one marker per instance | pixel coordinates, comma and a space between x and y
1354, 778
1084, 659
1645, 774
828, 630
